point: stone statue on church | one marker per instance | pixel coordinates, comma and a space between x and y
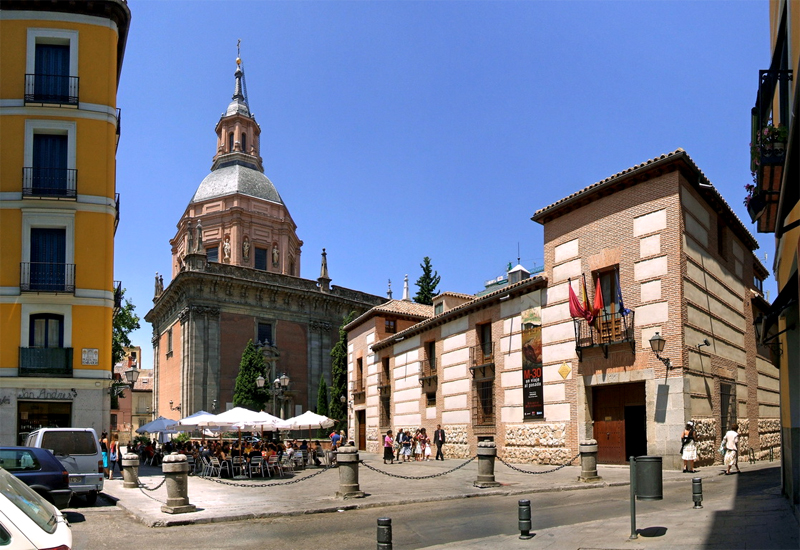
199, 239
189, 238
226, 249
276, 256
246, 249
155, 290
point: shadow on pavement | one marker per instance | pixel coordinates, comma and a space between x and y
760, 516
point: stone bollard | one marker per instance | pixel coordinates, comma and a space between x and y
487, 451
588, 450
176, 469
130, 471
347, 459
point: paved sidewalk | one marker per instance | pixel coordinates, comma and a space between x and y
222, 502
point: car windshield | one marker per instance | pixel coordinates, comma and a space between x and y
69, 443
32, 505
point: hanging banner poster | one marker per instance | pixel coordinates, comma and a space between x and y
532, 382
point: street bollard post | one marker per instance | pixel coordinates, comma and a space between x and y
176, 470
588, 450
130, 471
487, 451
634, 533
525, 519
347, 459
384, 533
697, 492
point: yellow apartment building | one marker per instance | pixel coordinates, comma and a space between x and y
59, 128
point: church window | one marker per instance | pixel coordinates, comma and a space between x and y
265, 333
244, 142
261, 259
230, 142
212, 254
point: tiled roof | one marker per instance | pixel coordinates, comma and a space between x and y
456, 294
461, 309
395, 307
702, 184
145, 381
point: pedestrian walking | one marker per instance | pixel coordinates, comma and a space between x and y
688, 448
113, 453
388, 448
731, 443
438, 439
398, 443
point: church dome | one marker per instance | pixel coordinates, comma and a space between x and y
236, 178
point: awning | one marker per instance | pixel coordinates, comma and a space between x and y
786, 298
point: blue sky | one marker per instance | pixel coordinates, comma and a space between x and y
398, 130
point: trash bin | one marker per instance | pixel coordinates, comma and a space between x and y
649, 483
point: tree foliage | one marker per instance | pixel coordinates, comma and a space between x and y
322, 403
338, 410
246, 393
427, 283
125, 322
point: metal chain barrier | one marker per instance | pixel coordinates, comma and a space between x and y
537, 473
237, 484
417, 477
142, 487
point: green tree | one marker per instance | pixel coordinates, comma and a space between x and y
246, 393
427, 283
338, 410
322, 403
125, 321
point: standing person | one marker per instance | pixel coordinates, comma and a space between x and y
388, 450
731, 443
104, 450
407, 442
426, 444
398, 443
113, 451
335, 437
688, 448
417, 445
438, 439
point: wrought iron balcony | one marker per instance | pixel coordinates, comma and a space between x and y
384, 380
427, 372
117, 296
116, 212
46, 277
606, 329
51, 89
48, 362
482, 354
119, 127
61, 183
359, 386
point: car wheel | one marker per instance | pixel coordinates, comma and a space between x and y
91, 498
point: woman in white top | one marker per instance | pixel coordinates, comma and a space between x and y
731, 442
688, 448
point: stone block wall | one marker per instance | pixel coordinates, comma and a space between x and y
536, 443
769, 437
744, 438
374, 440
707, 441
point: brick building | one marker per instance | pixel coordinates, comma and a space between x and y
668, 256
236, 266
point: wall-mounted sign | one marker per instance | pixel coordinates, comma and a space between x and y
532, 381
89, 356
64, 395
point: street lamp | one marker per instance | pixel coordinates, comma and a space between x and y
175, 408
657, 343
131, 376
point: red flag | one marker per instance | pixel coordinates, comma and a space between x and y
576, 309
598, 299
588, 314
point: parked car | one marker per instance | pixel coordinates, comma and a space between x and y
79, 451
40, 470
27, 521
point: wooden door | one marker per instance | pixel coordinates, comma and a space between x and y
362, 430
609, 424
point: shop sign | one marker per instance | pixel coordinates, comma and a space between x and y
63, 395
532, 380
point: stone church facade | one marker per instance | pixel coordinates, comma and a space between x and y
235, 278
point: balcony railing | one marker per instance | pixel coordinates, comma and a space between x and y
384, 380
604, 330
359, 386
49, 182
483, 406
116, 212
119, 127
46, 277
117, 296
427, 372
49, 362
51, 89
482, 354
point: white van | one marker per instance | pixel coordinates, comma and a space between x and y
79, 451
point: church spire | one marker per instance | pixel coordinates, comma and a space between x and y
324, 279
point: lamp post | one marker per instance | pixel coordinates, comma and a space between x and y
279, 387
175, 408
271, 355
